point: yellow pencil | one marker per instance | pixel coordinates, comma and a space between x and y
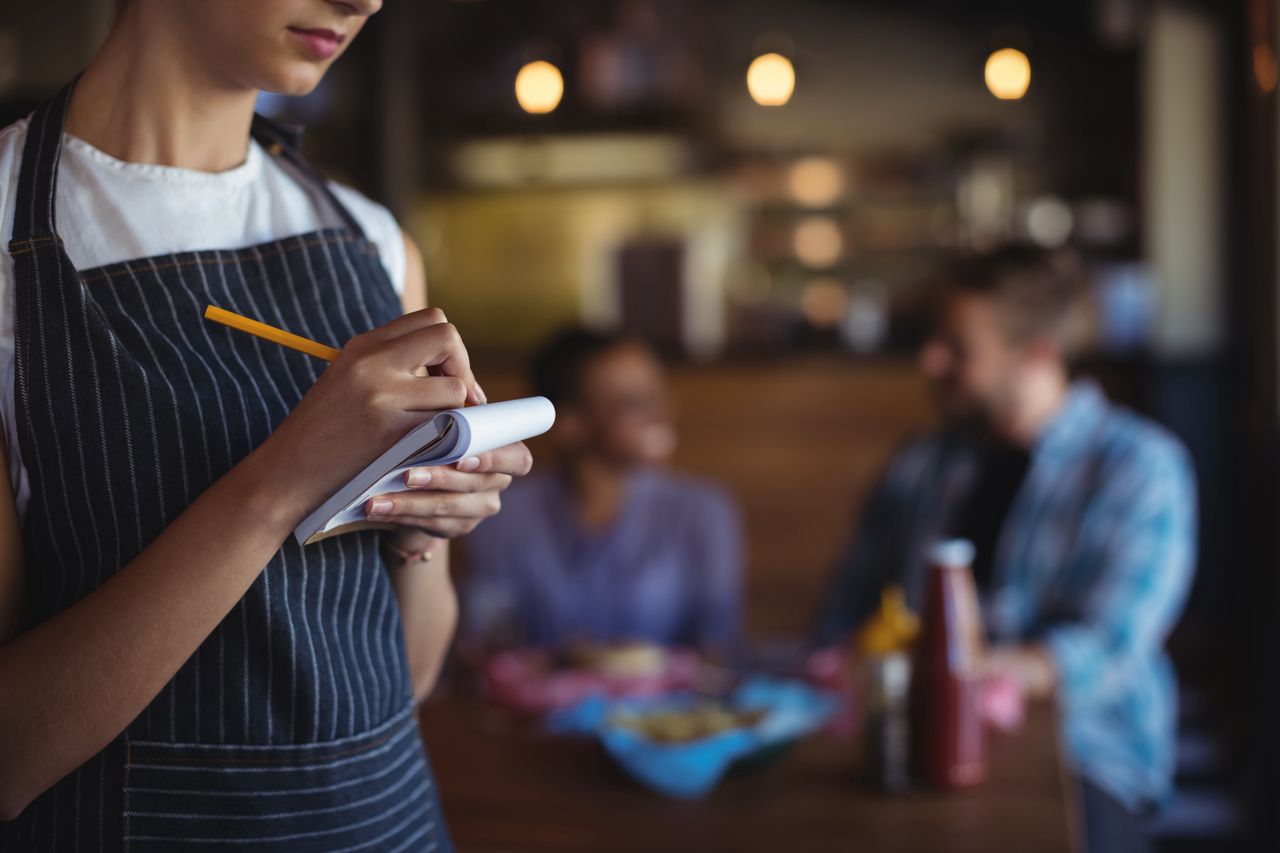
270, 333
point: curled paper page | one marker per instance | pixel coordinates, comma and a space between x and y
444, 439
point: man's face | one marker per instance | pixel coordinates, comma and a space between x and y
625, 409
970, 362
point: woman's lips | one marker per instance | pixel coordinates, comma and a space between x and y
319, 43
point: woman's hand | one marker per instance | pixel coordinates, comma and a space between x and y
372, 394
449, 502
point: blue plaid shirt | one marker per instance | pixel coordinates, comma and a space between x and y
1093, 562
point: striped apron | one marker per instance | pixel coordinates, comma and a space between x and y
291, 727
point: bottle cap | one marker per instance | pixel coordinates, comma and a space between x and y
952, 554
891, 628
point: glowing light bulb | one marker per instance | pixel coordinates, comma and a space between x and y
1049, 221
1008, 74
823, 302
816, 182
817, 242
539, 87
771, 79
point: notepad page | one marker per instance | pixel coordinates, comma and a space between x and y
445, 439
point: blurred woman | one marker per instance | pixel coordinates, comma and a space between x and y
609, 547
175, 670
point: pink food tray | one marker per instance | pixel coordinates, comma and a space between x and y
525, 681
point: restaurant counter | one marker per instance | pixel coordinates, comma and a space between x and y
507, 785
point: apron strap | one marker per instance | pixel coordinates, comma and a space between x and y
285, 141
33, 213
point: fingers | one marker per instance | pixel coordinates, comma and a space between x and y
453, 480
432, 505
442, 513
445, 501
402, 325
430, 393
421, 340
514, 460
438, 347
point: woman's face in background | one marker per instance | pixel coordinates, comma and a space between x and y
625, 408
283, 46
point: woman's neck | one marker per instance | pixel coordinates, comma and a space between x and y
144, 99
599, 491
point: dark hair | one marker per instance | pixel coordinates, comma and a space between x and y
1037, 291
559, 364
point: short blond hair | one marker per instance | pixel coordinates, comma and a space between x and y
1039, 293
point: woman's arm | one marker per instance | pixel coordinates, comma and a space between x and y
71, 684
424, 590
428, 606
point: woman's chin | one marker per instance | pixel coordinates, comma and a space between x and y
650, 460
295, 80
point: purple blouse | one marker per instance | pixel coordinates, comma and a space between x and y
668, 570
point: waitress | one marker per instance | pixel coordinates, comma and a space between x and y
175, 670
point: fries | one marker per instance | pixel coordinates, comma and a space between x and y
683, 726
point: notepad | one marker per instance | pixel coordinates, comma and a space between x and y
444, 439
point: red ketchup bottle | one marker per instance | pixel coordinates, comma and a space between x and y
947, 748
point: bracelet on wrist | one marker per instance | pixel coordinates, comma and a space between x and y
404, 556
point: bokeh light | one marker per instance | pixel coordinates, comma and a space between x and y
1049, 221
823, 302
771, 79
1264, 67
539, 87
817, 242
1008, 74
816, 182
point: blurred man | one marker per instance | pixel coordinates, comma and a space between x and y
607, 548
1083, 516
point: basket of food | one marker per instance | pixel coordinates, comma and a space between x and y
682, 744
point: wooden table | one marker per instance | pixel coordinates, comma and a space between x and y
509, 787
